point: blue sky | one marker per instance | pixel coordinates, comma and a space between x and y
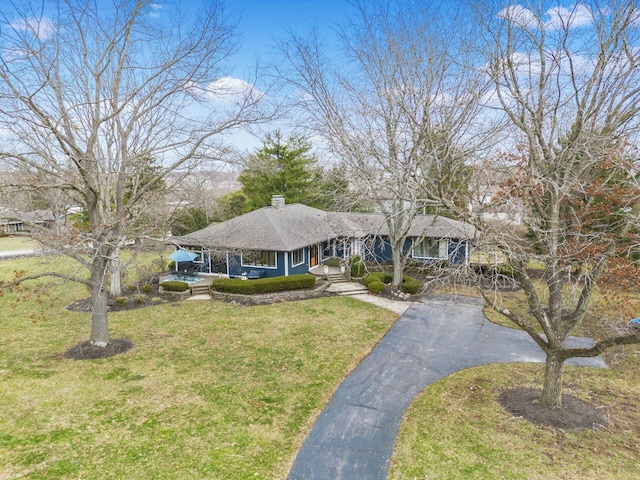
263, 20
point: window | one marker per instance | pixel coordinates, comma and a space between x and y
430, 248
259, 258
297, 257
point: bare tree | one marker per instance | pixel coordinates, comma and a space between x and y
398, 108
569, 82
90, 91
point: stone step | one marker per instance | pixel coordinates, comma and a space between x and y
352, 292
337, 278
200, 289
346, 288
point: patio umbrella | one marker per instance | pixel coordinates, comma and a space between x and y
182, 256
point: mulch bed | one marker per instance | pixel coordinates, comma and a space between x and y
87, 351
575, 414
133, 301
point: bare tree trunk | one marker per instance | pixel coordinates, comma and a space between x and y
398, 263
115, 268
552, 388
99, 322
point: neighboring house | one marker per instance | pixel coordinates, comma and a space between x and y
13, 221
290, 239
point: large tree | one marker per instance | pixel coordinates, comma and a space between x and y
90, 91
569, 83
397, 103
280, 167
287, 167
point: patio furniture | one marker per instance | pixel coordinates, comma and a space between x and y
253, 274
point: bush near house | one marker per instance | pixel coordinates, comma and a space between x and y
384, 277
409, 284
376, 286
264, 285
332, 262
175, 286
358, 268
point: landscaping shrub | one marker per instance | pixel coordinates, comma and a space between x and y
374, 277
357, 267
175, 286
411, 285
376, 286
505, 269
132, 288
332, 262
140, 298
120, 301
384, 277
264, 285
146, 288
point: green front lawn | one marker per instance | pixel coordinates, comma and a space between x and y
210, 390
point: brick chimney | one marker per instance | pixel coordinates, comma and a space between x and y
277, 202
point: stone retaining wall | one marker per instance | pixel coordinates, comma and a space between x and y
174, 296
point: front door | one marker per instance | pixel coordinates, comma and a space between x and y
313, 256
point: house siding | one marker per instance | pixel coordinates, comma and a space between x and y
457, 251
303, 267
381, 250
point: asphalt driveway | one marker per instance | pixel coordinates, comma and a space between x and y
354, 435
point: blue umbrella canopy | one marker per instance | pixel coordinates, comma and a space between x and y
183, 256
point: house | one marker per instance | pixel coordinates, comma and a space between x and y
287, 239
14, 221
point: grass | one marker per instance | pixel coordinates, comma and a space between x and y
17, 242
457, 429
210, 390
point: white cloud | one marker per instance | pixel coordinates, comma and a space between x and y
42, 28
520, 15
561, 18
155, 7
231, 90
555, 18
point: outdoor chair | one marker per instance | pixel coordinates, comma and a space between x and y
253, 274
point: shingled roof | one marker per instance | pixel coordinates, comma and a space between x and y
291, 227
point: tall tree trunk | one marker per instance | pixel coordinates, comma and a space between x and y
115, 267
99, 322
398, 264
552, 388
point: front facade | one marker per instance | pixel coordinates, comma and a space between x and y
283, 240
14, 221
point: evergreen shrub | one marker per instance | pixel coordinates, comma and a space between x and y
264, 285
357, 266
376, 286
175, 286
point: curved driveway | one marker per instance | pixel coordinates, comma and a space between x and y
354, 435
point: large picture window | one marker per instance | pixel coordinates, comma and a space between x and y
430, 248
297, 257
259, 258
